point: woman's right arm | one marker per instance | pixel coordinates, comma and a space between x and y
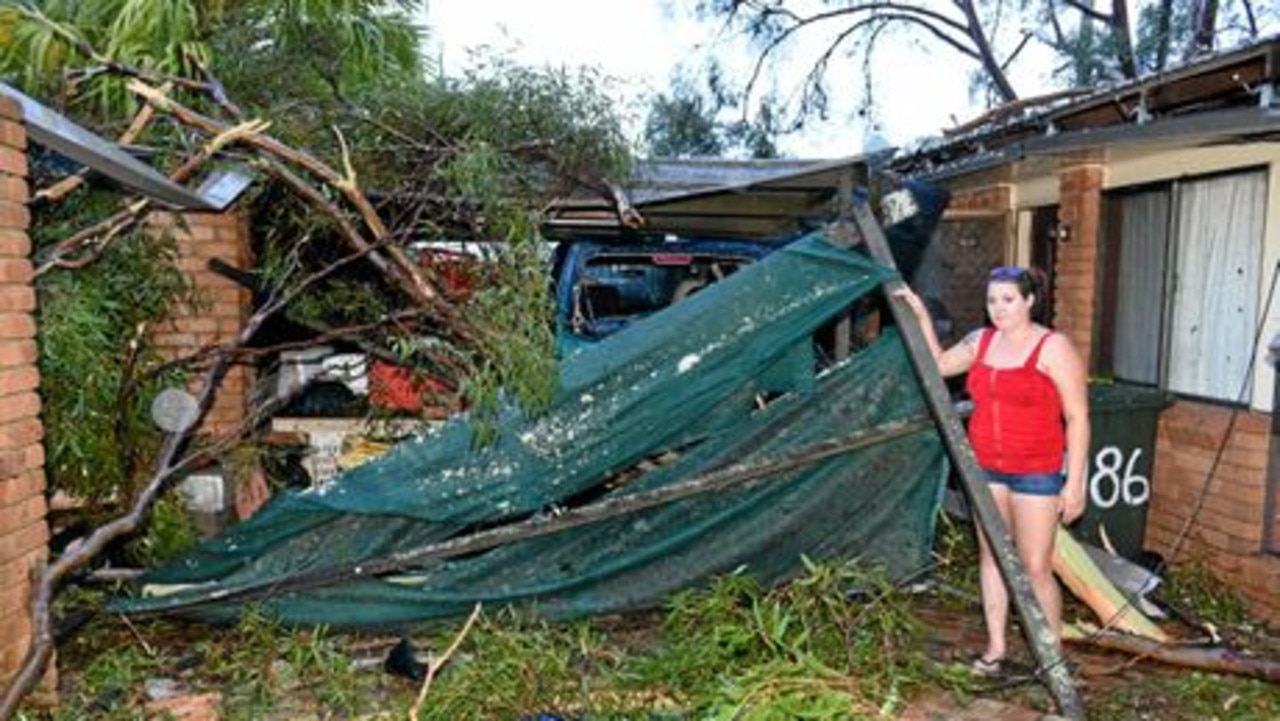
953, 361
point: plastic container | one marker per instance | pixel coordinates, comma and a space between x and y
1124, 419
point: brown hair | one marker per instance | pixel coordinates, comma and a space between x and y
1029, 281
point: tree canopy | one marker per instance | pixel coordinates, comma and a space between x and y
471, 158
366, 158
1094, 42
689, 122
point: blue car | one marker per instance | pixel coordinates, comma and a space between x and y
602, 286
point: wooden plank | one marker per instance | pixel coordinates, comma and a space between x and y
1040, 637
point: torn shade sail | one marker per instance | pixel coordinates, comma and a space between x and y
682, 386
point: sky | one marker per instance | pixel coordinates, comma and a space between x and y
641, 42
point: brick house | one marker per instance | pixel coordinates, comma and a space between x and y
1155, 207
24, 532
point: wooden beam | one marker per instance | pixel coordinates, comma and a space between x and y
955, 215
1218, 659
1040, 637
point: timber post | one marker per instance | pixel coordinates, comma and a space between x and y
1044, 644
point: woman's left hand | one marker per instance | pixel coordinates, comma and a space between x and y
1071, 503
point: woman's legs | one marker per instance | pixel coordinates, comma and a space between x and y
995, 597
1035, 525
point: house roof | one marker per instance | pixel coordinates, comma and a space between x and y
1228, 97
58, 133
761, 199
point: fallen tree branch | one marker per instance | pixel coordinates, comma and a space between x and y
411, 279
95, 239
171, 462
438, 663
1219, 659
1006, 110
173, 459
70, 184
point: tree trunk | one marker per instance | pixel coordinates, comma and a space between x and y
1164, 33
1204, 25
990, 65
1122, 31
1209, 658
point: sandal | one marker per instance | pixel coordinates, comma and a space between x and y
984, 667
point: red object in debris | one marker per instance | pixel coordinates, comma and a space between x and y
251, 493
672, 258
396, 388
458, 274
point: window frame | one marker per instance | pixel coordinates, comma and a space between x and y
1109, 279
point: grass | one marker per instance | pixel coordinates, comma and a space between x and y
839, 642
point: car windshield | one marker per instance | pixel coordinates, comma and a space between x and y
628, 285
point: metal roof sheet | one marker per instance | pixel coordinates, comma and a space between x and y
60, 134
761, 199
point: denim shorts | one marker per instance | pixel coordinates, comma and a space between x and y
1031, 484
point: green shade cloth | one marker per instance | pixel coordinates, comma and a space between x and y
681, 386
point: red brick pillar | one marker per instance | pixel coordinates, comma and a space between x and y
24, 534
1079, 210
221, 306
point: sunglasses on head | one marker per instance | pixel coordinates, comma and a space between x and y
1008, 272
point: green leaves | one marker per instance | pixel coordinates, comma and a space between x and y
691, 122
93, 348
299, 44
807, 650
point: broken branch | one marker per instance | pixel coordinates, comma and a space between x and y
438, 663
1215, 658
68, 185
409, 276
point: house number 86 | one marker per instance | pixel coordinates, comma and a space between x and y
1107, 486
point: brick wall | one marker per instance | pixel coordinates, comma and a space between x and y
23, 531
221, 305
1226, 535
997, 197
1079, 211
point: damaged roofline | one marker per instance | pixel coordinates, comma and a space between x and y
58, 133
1226, 97
756, 198
1224, 126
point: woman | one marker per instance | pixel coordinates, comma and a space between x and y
1030, 398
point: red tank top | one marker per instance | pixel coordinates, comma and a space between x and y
1016, 425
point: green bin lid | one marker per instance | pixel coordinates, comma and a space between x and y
1109, 396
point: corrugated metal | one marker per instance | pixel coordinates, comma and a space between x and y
761, 199
58, 133
1228, 97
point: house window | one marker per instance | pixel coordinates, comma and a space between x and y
1181, 283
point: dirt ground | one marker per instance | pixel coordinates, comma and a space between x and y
1113, 685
